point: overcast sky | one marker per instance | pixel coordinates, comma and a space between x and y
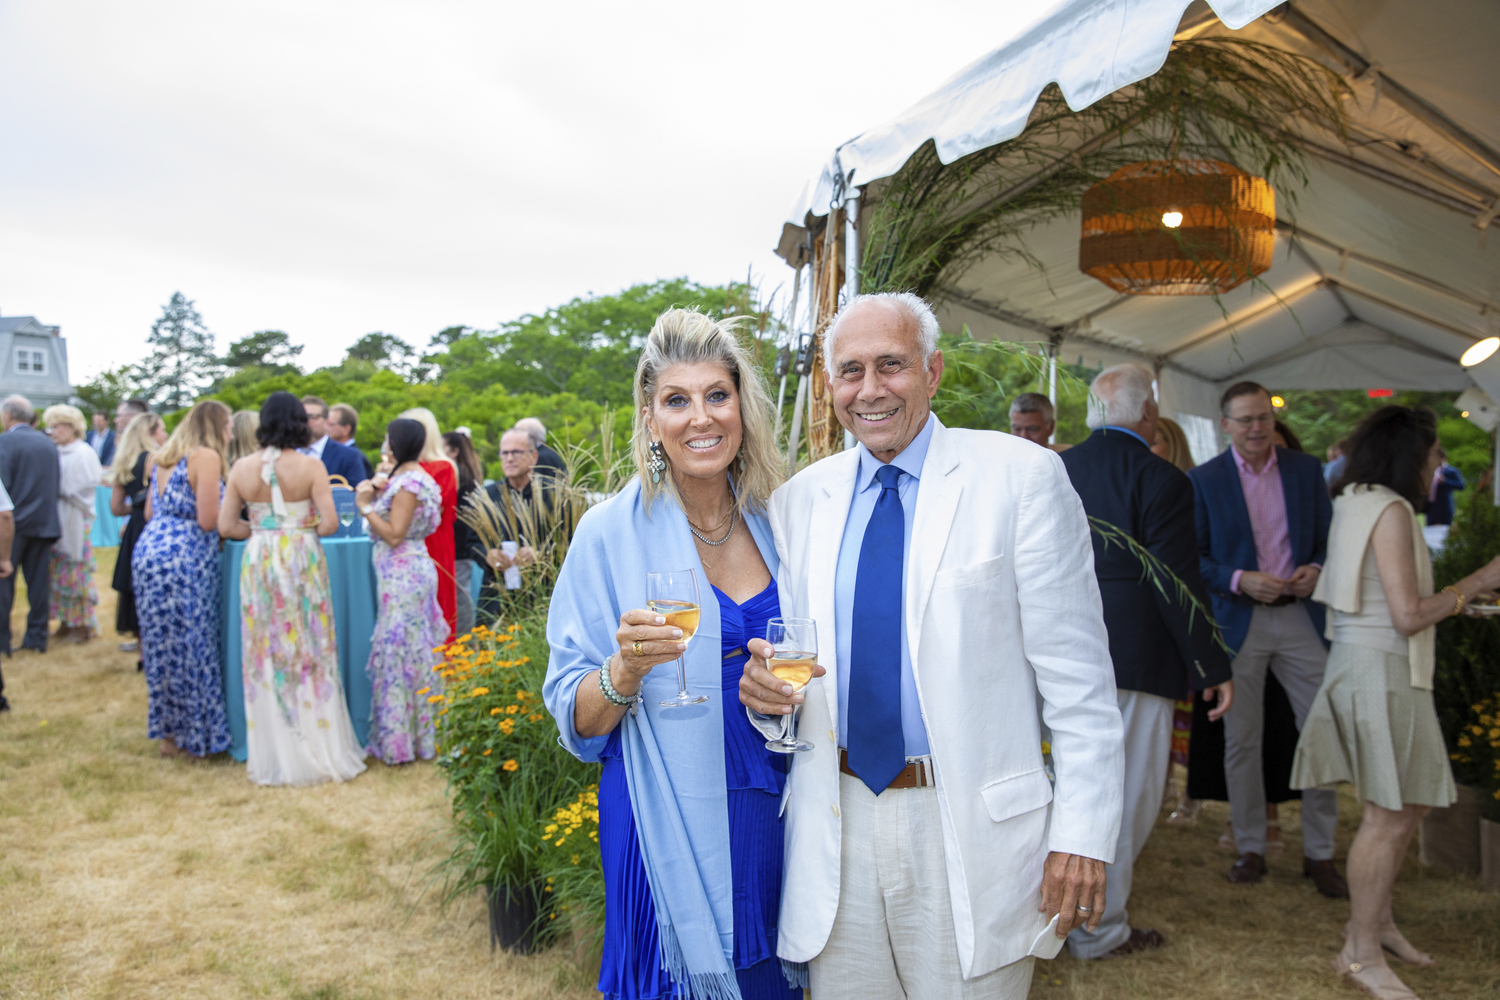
330, 169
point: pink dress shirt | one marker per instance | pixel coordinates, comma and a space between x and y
1266, 502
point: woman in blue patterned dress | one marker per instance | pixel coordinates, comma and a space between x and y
689, 827
175, 568
409, 624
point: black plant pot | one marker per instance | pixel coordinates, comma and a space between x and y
512, 917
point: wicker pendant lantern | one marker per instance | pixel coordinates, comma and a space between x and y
1177, 227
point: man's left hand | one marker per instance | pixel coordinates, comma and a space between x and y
1225, 695
1303, 580
1068, 882
525, 556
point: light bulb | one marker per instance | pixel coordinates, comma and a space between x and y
1464, 414
1479, 352
1171, 219
1277, 402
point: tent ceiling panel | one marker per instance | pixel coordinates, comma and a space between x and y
1403, 325
1358, 356
1269, 333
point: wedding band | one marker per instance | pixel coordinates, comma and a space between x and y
1085, 909
636, 646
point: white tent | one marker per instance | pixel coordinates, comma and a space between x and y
1382, 274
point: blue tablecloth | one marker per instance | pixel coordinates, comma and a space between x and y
352, 577
107, 527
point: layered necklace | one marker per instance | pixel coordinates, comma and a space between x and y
733, 513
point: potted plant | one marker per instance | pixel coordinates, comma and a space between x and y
1478, 754
498, 748
1468, 673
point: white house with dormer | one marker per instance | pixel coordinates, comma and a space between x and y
33, 361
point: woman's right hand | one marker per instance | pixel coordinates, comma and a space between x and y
1489, 575
658, 643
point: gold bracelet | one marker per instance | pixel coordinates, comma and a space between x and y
1459, 599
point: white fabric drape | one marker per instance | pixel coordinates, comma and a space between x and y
80, 473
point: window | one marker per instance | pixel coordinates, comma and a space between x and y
31, 362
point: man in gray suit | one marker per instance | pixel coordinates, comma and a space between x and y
29, 472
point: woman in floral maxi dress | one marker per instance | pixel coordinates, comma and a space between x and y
297, 721
409, 624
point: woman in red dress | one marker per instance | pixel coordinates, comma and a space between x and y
436, 463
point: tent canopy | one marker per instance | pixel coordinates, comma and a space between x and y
1382, 275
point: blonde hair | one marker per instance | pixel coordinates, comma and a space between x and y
688, 337
203, 427
1178, 452
432, 448
242, 440
136, 439
62, 413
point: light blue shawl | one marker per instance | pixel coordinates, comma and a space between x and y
674, 760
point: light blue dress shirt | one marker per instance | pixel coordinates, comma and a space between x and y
866, 492
1125, 430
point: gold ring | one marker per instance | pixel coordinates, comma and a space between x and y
636, 646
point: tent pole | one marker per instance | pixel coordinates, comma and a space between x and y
791, 345
794, 438
851, 264
1052, 387
1495, 474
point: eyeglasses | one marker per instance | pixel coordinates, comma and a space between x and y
1259, 420
515, 454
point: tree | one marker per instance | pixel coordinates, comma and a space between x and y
266, 349
390, 353
106, 391
182, 362
589, 346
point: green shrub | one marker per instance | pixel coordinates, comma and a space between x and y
1468, 649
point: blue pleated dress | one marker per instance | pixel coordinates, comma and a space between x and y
631, 968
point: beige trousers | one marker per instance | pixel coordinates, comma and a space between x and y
893, 934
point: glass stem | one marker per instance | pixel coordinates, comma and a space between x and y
787, 735
682, 679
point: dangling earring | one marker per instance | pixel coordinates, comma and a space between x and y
657, 463
740, 464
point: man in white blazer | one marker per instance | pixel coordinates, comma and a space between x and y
950, 573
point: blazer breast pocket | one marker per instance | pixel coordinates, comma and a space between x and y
971, 575
1016, 795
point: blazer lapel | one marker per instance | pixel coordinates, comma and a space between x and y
825, 534
1290, 492
937, 502
1237, 494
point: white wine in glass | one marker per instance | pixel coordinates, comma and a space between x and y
346, 517
674, 596
794, 643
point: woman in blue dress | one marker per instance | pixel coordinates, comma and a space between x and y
689, 798
175, 569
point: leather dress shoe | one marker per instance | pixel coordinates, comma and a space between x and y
1248, 870
1326, 877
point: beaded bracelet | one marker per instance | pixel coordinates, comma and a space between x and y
607, 688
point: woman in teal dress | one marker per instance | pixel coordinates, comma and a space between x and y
689, 798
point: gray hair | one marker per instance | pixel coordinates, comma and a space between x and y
1033, 402
19, 409
534, 429
1119, 394
915, 308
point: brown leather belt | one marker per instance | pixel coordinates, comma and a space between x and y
916, 773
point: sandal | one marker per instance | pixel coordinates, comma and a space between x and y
1376, 980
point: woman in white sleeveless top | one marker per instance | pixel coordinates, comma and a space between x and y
296, 719
1373, 722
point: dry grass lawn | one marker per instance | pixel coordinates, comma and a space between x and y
125, 875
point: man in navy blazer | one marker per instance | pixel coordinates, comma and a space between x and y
1262, 514
338, 459
1160, 650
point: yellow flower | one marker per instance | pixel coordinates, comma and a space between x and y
479, 692
485, 754
509, 765
512, 709
434, 699
424, 690
507, 726
550, 828
496, 711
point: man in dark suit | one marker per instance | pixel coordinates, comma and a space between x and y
548, 462
29, 471
338, 459
102, 439
1263, 514
343, 421
1160, 648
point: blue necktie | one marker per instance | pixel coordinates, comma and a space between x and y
877, 749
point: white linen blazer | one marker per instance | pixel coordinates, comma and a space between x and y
1003, 619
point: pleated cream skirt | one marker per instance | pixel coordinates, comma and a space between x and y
1370, 727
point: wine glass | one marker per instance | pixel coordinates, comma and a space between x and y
794, 643
674, 596
346, 518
